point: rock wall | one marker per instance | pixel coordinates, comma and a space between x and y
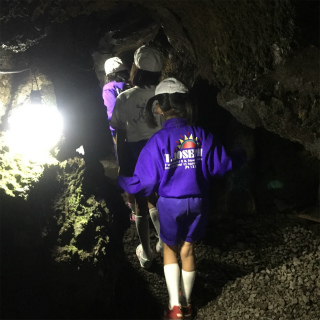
256, 52
253, 67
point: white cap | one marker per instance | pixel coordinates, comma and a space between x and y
114, 64
148, 59
170, 85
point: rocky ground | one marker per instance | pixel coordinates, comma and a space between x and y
249, 267
256, 267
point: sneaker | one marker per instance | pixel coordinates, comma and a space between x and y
187, 312
144, 263
175, 313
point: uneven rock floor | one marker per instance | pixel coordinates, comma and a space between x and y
259, 267
255, 267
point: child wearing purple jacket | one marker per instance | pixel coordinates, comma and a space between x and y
117, 77
178, 162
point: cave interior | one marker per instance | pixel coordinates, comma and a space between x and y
253, 68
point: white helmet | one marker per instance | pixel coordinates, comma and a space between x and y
114, 64
149, 59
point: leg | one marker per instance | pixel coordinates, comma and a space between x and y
142, 225
188, 272
141, 207
131, 199
152, 201
154, 215
187, 257
114, 140
131, 203
172, 273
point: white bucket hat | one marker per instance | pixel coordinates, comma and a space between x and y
170, 85
114, 64
148, 59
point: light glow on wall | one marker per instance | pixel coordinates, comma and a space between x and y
34, 129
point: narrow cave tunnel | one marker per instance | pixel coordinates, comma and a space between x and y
67, 245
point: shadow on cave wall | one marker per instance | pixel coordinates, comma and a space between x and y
280, 175
64, 259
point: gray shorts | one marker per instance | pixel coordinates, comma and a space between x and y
182, 219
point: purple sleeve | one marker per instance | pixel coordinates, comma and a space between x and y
218, 162
146, 177
109, 99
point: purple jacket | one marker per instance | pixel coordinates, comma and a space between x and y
177, 162
110, 92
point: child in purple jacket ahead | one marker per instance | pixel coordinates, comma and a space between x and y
178, 162
117, 76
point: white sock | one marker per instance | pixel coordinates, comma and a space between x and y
187, 281
154, 215
133, 207
172, 275
142, 225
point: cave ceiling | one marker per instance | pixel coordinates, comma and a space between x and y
263, 56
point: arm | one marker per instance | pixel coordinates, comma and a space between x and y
220, 162
109, 98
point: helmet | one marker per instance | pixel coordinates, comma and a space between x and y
114, 64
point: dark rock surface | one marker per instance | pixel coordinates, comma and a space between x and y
247, 269
242, 261
265, 64
253, 67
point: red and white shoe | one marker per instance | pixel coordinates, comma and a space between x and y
187, 312
173, 314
